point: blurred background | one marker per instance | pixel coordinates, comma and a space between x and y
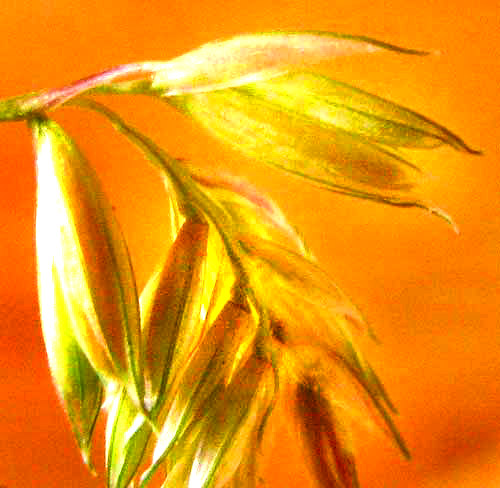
431, 296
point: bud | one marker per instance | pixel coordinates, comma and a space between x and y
224, 435
246, 58
355, 111
325, 155
231, 418
76, 228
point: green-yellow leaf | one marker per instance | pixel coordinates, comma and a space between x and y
325, 155
355, 111
90, 257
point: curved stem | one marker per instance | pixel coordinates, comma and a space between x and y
21, 107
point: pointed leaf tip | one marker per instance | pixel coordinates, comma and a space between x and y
356, 111
296, 143
253, 57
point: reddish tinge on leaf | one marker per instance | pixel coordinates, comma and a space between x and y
250, 209
253, 57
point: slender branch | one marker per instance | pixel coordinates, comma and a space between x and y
22, 107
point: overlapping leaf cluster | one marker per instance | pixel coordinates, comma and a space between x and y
191, 368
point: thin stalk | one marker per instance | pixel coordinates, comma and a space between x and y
22, 107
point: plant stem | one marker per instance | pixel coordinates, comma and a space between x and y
25, 106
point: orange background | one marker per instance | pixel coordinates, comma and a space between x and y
432, 296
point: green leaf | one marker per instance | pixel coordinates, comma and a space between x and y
83, 238
246, 58
127, 436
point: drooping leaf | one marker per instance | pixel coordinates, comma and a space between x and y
327, 156
90, 258
245, 58
314, 326
345, 385
281, 277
